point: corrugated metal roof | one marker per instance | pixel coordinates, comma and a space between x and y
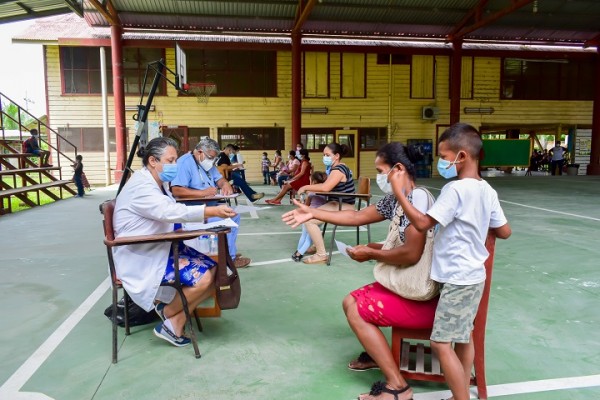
553, 21
11, 11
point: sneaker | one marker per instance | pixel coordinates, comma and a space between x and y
257, 196
160, 310
242, 262
161, 331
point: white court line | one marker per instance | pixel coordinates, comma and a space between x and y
509, 389
11, 387
552, 211
538, 208
362, 229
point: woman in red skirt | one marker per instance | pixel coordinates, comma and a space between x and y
301, 178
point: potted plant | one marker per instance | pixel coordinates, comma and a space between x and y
571, 167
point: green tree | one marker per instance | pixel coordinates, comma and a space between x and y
10, 117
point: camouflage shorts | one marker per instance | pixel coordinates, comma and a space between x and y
456, 312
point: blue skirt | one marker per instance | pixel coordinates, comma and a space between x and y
192, 266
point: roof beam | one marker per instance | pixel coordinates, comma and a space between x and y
481, 22
76, 6
24, 7
112, 19
302, 14
595, 41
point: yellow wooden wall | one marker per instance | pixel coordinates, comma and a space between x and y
371, 111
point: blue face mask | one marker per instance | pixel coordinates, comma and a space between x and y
327, 160
168, 173
446, 168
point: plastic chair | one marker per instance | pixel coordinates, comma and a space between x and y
107, 210
412, 357
363, 193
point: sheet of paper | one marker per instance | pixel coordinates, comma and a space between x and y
244, 209
342, 248
228, 222
225, 196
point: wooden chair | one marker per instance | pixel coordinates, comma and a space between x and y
412, 357
107, 209
363, 193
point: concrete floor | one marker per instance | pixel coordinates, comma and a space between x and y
289, 338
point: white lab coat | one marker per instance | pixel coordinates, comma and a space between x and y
143, 209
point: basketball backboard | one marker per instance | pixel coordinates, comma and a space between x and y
181, 67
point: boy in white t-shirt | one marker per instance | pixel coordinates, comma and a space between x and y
465, 210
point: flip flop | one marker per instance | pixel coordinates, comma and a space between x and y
363, 358
380, 387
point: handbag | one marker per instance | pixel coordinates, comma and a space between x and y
227, 281
412, 281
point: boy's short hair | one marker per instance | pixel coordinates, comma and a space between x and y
463, 137
319, 176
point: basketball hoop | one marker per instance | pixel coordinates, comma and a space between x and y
202, 91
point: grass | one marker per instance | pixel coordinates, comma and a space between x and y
17, 205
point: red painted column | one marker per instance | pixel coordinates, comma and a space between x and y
296, 89
455, 79
594, 166
116, 46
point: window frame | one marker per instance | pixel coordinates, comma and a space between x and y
354, 77
273, 138
316, 72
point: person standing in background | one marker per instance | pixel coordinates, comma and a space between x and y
265, 163
557, 158
78, 175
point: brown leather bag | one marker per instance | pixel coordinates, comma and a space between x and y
227, 281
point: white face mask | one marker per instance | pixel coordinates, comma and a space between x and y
207, 164
384, 185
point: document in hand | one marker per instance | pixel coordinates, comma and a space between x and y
342, 248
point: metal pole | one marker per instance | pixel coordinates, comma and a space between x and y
142, 121
105, 133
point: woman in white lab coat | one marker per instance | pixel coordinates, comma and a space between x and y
145, 206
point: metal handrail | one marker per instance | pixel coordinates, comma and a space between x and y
40, 124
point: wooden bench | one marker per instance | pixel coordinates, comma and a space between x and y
21, 193
23, 160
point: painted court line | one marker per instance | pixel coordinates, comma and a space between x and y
552, 211
509, 389
11, 387
362, 229
537, 208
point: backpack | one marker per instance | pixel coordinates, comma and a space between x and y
27, 146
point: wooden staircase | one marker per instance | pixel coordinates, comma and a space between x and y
21, 174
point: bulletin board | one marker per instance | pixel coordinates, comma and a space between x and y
506, 153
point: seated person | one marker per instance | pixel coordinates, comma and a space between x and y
315, 201
373, 306
287, 171
339, 180
197, 176
32, 145
224, 161
300, 178
145, 207
277, 165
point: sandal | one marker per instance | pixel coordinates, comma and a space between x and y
315, 259
273, 202
363, 358
380, 387
297, 257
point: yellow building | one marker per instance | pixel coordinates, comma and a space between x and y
369, 93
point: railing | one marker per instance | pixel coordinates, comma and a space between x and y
61, 144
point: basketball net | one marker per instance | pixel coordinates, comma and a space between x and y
202, 91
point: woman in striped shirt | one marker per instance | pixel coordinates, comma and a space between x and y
339, 180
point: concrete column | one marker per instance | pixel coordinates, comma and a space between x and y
119, 99
455, 79
594, 166
296, 89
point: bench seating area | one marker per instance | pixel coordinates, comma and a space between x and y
21, 174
